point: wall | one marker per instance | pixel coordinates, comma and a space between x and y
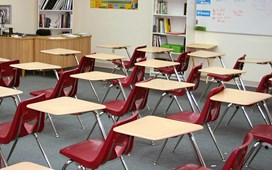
24, 15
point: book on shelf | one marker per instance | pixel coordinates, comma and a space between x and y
56, 4
160, 7
185, 9
158, 40
167, 25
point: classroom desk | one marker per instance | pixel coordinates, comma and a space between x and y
109, 57
208, 55
62, 52
226, 72
101, 76
165, 85
158, 128
26, 166
158, 50
9, 92
115, 46
37, 66
200, 46
3, 59
241, 98
258, 60
67, 106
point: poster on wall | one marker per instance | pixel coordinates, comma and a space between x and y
115, 4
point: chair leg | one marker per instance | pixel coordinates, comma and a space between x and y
233, 114
177, 143
221, 118
169, 106
42, 150
80, 121
194, 100
52, 124
179, 106
251, 154
262, 113
123, 163
66, 164
157, 104
248, 120
205, 91
12, 149
3, 158
159, 155
200, 158
91, 84
92, 129
214, 141
110, 86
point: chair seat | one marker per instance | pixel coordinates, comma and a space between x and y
179, 92
124, 82
166, 70
220, 77
114, 107
77, 152
119, 63
47, 92
263, 133
191, 167
189, 117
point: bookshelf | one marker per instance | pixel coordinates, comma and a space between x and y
55, 15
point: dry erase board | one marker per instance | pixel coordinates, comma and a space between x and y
235, 16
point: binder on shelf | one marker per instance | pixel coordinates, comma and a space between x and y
167, 25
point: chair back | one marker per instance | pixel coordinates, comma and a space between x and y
239, 65
86, 64
237, 156
265, 84
116, 144
137, 74
183, 61
66, 85
26, 121
9, 76
194, 77
136, 56
211, 109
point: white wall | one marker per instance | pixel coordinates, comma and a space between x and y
24, 15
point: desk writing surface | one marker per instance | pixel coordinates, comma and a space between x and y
113, 46
201, 46
60, 51
270, 79
97, 76
257, 60
205, 54
156, 128
164, 85
155, 49
221, 71
3, 59
240, 97
103, 56
65, 106
26, 166
156, 63
6, 92
35, 66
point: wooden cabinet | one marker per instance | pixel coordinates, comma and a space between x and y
55, 15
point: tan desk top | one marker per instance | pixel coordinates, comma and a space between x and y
6, 92
205, 54
155, 49
113, 46
221, 71
103, 56
65, 106
60, 51
164, 85
257, 60
240, 97
35, 66
156, 128
201, 46
97, 76
270, 79
3, 59
26, 166
156, 63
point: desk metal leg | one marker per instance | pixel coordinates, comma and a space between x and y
76, 59
157, 104
262, 113
52, 124
223, 115
91, 84
122, 89
56, 74
222, 63
159, 155
129, 56
246, 115
100, 125
241, 82
200, 158
170, 55
268, 113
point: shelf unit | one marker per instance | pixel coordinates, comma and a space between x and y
57, 18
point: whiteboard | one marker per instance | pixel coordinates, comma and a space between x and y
235, 16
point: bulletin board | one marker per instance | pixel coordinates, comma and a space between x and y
235, 16
115, 4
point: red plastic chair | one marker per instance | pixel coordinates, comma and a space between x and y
183, 61
94, 152
129, 64
136, 100
194, 77
226, 78
66, 86
137, 75
25, 122
210, 112
261, 133
234, 162
10, 77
